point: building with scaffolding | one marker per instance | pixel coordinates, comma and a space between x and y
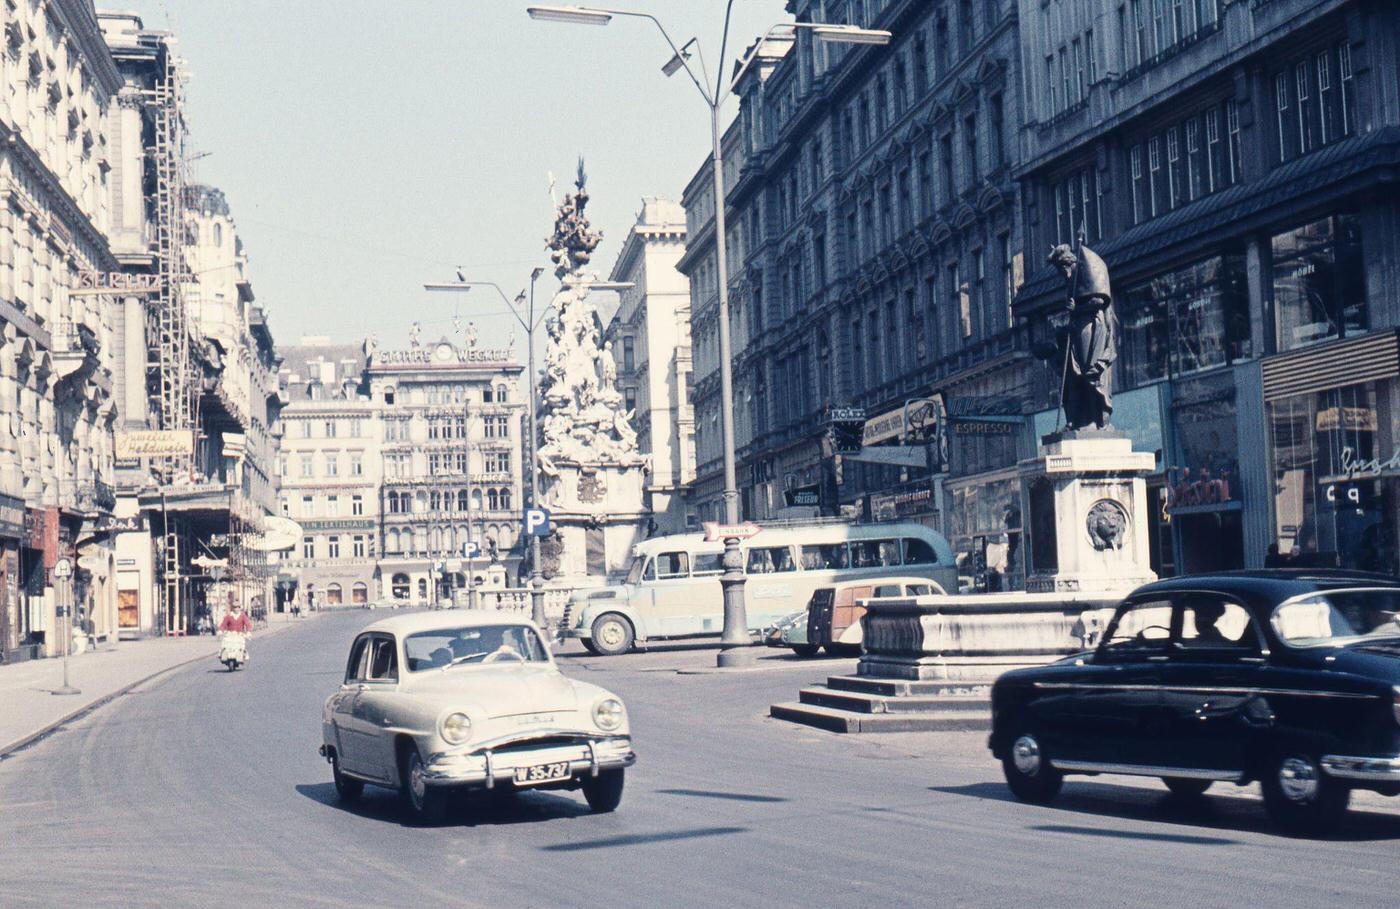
56, 343
196, 378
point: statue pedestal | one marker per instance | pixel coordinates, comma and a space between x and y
1084, 503
597, 511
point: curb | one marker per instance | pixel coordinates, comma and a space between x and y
35, 737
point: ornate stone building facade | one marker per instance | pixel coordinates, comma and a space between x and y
874, 248
57, 83
451, 450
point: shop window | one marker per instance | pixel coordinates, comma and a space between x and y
398, 586
422, 588
333, 595
1319, 284
1335, 462
359, 594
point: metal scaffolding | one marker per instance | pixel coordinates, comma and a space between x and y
171, 382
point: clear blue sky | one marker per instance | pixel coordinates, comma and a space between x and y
367, 147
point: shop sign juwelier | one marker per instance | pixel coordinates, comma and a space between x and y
154, 443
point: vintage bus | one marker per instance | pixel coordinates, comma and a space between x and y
672, 589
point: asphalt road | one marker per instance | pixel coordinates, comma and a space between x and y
206, 790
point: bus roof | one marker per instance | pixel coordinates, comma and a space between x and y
810, 534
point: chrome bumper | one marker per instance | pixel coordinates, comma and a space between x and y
1370, 769
487, 768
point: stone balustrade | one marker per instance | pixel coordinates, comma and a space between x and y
976, 636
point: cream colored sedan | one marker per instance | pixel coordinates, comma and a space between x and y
469, 699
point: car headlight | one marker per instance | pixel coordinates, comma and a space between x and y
456, 728
608, 714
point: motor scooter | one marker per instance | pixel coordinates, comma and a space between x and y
233, 649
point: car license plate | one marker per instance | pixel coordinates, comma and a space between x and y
541, 773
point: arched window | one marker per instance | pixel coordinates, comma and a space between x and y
332, 594
493, 500
420, 539
436, 498
420, 502
476, 500
422, 588
359, 594
218, 234
502, 394
391, 541
399, 587
505, 500
506, 539
462, 500
436, 539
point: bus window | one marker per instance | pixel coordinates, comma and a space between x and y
708, 564
671, 565
634, 574
918, 552
771, 559
889, 552
825, 556
865, 554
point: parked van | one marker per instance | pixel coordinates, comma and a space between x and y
832, 617
673, 591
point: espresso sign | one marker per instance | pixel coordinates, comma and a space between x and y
155, 443
115, 282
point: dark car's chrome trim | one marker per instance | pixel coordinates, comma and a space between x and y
1193, 689
1350, 767
1184, 773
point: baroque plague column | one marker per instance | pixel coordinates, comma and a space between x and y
592, 473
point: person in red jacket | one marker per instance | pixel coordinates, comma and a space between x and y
236, 621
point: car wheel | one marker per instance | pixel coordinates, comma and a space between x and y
425, 804
347, 789
604, 791
1027, 769
805, 651
1186, 788
1300, 798
612, 634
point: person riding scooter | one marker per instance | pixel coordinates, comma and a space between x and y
233, 638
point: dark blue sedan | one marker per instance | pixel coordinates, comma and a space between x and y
1290, 678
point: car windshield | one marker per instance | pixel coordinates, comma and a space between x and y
473, 646
1338, 617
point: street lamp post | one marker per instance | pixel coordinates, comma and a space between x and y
736, 638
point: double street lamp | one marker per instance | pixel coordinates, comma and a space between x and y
735, 639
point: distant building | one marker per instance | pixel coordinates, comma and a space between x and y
329, 467
650, 337
451, 449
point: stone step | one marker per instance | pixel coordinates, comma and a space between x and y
901, 687
880, 703
834, 720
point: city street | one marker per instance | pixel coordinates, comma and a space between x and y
205, 789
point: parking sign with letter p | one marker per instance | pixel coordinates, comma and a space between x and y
537, 522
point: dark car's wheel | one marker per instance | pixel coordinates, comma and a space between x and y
805, 651
1186, 788
612, 634
347, 789
1301, 800
604, 791
425, 804
1027, 768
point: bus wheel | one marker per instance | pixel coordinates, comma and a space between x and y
806, 651
612, 634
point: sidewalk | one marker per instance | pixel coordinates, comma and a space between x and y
32, 711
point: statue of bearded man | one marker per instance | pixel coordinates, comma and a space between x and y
1086, 392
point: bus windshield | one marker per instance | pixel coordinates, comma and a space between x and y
634, 574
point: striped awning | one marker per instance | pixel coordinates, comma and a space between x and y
1370, 358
